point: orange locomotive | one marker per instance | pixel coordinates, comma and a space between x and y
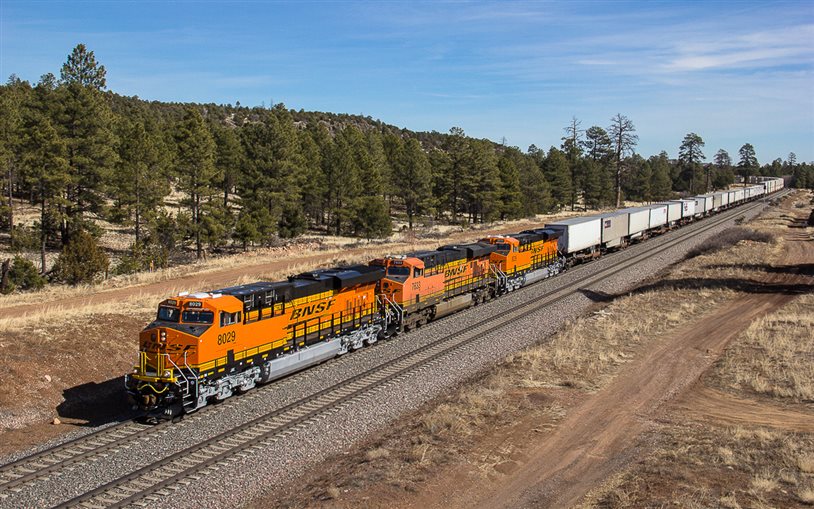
524, 258
426, 285
209, 345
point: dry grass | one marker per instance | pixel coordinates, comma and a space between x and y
56, 316
714, 467
583, 356
806, 495
774, 355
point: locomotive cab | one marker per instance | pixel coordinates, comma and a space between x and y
170, 347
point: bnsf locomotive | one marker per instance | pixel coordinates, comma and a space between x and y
208, 346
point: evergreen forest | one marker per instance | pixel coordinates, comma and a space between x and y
205, 178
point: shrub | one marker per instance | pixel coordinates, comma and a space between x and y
26, 238
23, 275
728, 238
141, 257
81, 260
292, 223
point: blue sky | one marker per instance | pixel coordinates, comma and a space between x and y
733, 72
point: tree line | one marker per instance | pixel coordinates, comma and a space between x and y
207, 176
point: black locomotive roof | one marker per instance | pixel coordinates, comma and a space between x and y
547, 233
432, 258
280, 288
474, 250
338, 277
264, 294
527, 238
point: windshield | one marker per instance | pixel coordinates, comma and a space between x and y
398, 271
168, 314
503, 247
198, 316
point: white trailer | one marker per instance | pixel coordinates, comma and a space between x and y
578, 233
673, 212
704, 204
685, 209
658, 215
639, 220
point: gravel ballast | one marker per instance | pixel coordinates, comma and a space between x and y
280, 462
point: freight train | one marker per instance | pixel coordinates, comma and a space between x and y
207, 346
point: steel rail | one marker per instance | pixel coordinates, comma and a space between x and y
251, 436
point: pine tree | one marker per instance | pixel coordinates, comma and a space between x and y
597, 143
459, 168
343, 179
196, 168
81, 68
47, 170
13, 96
691, 155
558, 174
510, 195
85, 123
594, 188
637, 185
572, 146
413, 180
311, 178
228, 159
661, 184
393, 147
482, 186
140, 182
747, 165
440, 162
536, 190
724, 176
623, 136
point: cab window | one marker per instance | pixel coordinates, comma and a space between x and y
197, 316
503, 247
168, 314
229, 318
418, 272
398, 271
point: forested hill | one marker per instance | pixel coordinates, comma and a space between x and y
205, 176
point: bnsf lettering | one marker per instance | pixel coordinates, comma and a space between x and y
455, 271
154, 346
304, 311
227, 337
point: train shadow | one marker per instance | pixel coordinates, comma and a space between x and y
95, 404
805, 269
739, 285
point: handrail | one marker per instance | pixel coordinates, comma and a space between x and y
192, 373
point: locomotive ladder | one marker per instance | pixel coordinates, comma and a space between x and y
500, 277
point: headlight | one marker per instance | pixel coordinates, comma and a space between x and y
167, 374
163, 335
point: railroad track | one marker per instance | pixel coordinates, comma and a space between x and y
37, 466
40, 466
153, 482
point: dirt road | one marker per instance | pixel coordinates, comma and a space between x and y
601, 433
